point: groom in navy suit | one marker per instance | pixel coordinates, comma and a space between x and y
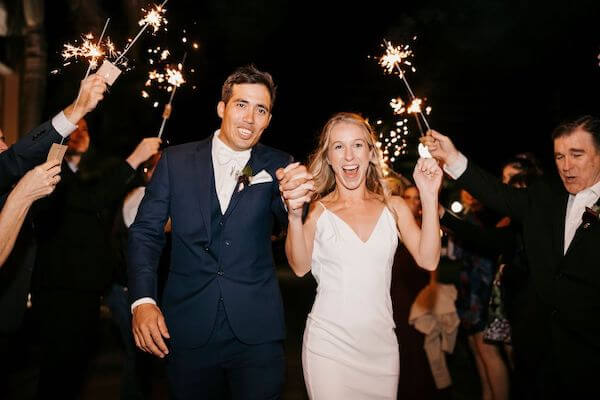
221, 313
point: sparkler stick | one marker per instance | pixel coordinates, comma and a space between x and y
154, 23
393, 58
175, 80
87, 73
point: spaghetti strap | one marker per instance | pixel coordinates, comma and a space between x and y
324, 208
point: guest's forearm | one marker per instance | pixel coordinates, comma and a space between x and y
11, 219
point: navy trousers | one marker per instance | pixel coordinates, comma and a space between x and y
226, 368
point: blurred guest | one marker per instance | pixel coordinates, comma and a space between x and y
32, 149
395, 182
137, 368
17, 160
508, 310
3, 145
408, 279
561, 232
413, 200
474, 292
15, 275
75, 264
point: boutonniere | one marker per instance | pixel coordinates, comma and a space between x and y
244, 177
590, 215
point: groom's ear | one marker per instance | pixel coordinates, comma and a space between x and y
221, 109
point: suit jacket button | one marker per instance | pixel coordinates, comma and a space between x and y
221, 223
206, 248
227, 243
554, 312
220, 273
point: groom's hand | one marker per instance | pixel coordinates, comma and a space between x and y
296, 186
149, 328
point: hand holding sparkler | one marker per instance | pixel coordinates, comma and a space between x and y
440, 147
428, 178
90, 93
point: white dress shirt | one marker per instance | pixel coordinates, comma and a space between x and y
227, 165
575, 206
575, 209
132, 203
62, 125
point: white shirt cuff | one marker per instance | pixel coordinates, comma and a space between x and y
143, 300
457, 168
63, 126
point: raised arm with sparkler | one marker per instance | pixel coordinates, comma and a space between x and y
90, 93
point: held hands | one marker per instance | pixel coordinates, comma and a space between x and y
144, 150
90, 93
428, 177
440, 147
149, 329
38, 182
296, 186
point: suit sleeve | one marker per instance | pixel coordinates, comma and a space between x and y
27, 153
147, 236
491, 240
502, 198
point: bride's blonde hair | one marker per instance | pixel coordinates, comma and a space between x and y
322, 172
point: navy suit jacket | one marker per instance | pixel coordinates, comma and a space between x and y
239, 269
27, 153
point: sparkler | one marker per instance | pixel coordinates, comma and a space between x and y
397, 58
393, 59
175, 79
152, 18
94, 52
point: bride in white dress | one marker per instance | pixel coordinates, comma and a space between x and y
348, 241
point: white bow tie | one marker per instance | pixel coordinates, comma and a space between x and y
225, 155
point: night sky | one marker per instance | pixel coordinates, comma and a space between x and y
499, 74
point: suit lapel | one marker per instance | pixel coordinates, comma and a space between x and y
204, 174
255, 163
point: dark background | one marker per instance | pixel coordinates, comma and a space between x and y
499, 74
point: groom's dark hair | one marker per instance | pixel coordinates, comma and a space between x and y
587, 123
248, 74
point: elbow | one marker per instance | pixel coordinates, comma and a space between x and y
300, 274
429, 264
299, 271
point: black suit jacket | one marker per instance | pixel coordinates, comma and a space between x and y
564, 289
28, 152
73, 227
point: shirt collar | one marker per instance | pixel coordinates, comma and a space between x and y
592, 190
595, 188
217, 144
74, 167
